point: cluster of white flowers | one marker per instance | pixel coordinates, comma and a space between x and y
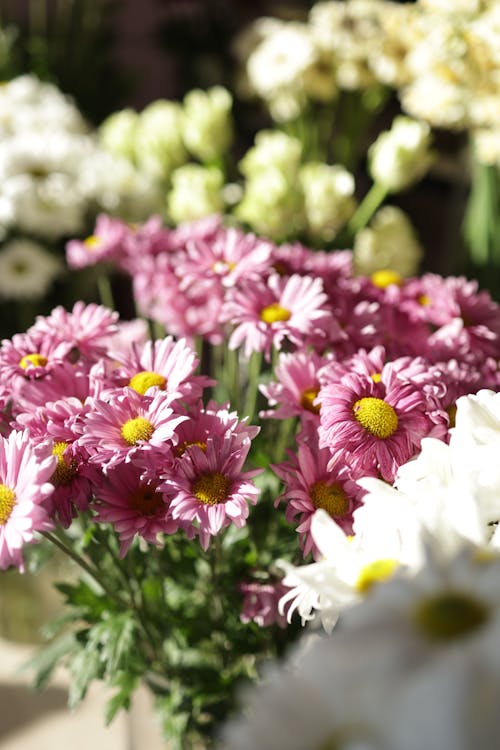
414, 662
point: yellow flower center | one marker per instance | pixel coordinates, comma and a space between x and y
38, 360
92, 242
330, 497
385, 278
376, 377
7, 502
375, 572
274, 313
65, 470
146, 501
145, 379
211, 488
450, 614
137, 429
307, 398
376, 416
424, 300
180, 450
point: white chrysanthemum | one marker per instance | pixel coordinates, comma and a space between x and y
117, 133
159, 147
27, 270
273, 205
487, 145
390, 242
207, 124
272, 149
349, 567
401, 156
28, 104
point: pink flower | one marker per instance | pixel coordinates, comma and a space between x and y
375, 426
210, 490
105, 244
310, 484
266, 315
260, 604
24, 489
133, 505
164, 365
83, 331
128, 424
297, 386
205, 423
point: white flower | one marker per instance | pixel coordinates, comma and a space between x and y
27, 270
196, 192
329, 198
390, 242
207, 124
117, 133
272, 149
401, 155
159, 147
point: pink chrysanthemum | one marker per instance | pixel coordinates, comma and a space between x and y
106, 243
83, 331
24, 489
133, 505
57, 423
210, 490
127, 424
260, 604
164, 365
29, 355
310, 484
297, 386
283, 309
375, 426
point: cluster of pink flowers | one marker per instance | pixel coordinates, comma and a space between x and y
98, 418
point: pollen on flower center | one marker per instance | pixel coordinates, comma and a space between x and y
451, 614
375, 572
307, 399
38, 360
92, 242
376, 416
180, 450
65, 470
330, 497
146, 501
137, 429
275, 313
141, 381
211, 488
385, 278
7, 502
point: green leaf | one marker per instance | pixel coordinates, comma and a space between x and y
47, 659
84, 668
126, 683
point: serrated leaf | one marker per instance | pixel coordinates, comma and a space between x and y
47, 659
81, 595
84, 668
126, 683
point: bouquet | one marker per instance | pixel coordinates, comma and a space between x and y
187, 459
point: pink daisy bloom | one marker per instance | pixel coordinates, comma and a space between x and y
229, 257
133, 505
260, 604
210, 490
64, 380
374, 426
148, 239
127, 424
29, 355
206, 229
266, 315
83, 331
57, 424
24, 489
310, 484
297, 386
164, 365
105, 244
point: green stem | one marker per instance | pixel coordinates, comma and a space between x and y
364, 212
253, 384
79, 561
232, 376
105, 292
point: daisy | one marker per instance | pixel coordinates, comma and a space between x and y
310, 485
114, 431
265, 315
27, 270
24, 488
379, 425
164, 365
133, 505
260, 604
106, 243
210, 490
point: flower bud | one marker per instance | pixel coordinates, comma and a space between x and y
328, 195
196, 192
401, 156
208, 128
272, 150
158, 145
117, 133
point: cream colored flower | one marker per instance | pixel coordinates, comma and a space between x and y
27, 270
117, 133
401, 155
390, 242
159, 147
329, 198
207, 123
196, 192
